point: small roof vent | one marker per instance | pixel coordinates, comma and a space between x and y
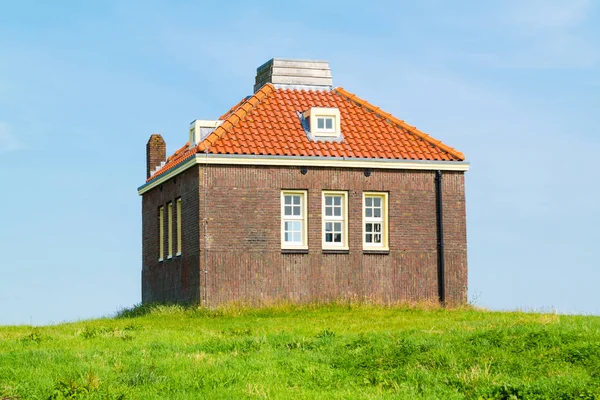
294, 74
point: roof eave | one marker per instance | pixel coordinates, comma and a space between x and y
305, 161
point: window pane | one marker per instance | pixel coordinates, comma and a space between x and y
297, 237
328, 211
337, 200
368, 201
337, 211
292, 224
377, 212
369, 238
328, 227
329, 123
320, 123
328, 200
369, 227
377, 201
377, 238
368, 212
337, 227
328, 238
377, 227
337, 238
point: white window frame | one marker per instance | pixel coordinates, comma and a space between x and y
325, 118
179, 225
314, 113
303, 245
383, 220
161, 233
343, 219
170, 230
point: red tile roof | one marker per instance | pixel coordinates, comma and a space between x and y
267, 123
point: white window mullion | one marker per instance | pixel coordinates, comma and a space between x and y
293, 220
170, 230
375, 229
161, 233
335, 220
179, 224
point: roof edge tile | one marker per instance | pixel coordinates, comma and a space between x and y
399, 122
238, 115
234, 116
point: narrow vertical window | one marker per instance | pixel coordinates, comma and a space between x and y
293, 220
335, 220
375, 229
179, 226
161, 233
170, 229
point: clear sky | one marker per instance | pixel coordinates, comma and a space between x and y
514, 84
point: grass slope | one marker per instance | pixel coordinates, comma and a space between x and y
305, 352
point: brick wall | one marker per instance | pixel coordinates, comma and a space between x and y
175, 279
243, 259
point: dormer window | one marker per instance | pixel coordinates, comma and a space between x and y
323, 122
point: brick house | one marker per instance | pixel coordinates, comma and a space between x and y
304, 192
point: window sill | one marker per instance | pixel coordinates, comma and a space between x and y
169, 257
160, 260
376, 251
335, 251
178, 255
320, 133
294, 251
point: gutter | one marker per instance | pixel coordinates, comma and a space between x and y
440, 238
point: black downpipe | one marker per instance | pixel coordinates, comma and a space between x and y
440, 237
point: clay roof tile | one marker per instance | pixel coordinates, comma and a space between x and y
267, 123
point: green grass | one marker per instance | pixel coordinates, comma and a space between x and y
337, 351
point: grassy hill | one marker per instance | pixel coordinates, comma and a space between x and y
304, 352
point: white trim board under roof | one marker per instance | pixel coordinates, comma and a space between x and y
304, 161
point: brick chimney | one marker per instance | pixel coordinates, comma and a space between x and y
156, 153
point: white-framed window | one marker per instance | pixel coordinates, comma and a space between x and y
179, 226
375, 221
324, 121
293, 219
170, 230
335, 220
161, 233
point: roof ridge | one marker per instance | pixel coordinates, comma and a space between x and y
401, 123
241, 110
235, 117
234, 108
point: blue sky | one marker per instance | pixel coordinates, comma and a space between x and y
514, 84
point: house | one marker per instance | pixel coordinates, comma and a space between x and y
303, 192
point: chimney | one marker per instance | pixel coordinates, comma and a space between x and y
294, 74
156, 153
